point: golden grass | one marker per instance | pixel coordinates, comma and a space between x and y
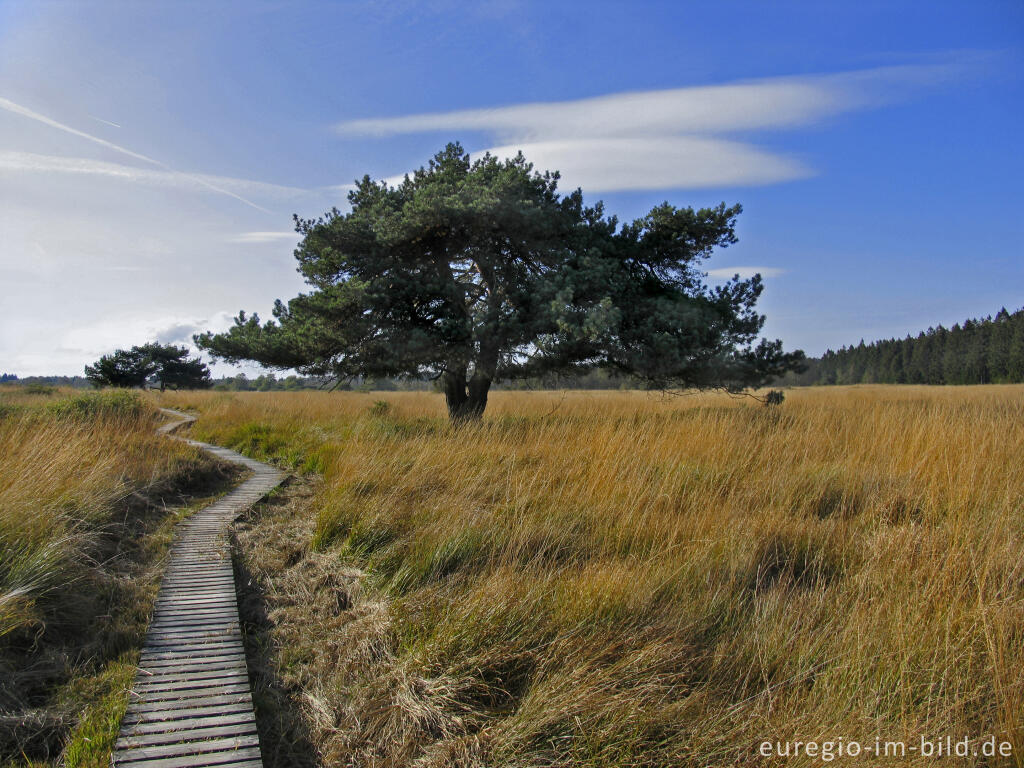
61, 479
622, 579
83, 481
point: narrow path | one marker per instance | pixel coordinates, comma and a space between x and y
191, 704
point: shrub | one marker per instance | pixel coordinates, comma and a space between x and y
99, 405
38, 389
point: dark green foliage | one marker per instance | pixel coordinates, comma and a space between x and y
166, 366
470, 273
984, 351
124, 368
774, 397
174, 369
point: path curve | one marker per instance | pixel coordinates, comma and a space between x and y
190, 702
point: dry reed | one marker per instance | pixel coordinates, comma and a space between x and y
622, 579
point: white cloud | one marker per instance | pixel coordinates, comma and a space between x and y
667, 139
782, 102
664, 162
28, 162
263, 237
656, 162
108, 334
725, 273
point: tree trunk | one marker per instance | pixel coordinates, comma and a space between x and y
479, 386
466, 400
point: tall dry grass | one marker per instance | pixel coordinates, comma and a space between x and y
82, 483
621, 579
68, 467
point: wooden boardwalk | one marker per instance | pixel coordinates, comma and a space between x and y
190, 702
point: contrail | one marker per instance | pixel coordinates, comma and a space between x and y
17, 109
101, 120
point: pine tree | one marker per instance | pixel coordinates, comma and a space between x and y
469, 272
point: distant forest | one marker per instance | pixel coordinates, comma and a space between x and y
985, 351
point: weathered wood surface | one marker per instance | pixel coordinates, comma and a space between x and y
190, 702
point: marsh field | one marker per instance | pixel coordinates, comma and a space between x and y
586, 578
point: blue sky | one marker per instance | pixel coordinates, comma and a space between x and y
151, 155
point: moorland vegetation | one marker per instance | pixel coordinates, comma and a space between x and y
613, 579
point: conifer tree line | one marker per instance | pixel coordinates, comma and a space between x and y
983, 351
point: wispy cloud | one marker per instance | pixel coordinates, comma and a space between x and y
782, 102
200, 179
725, 273
34, 163
17, 109
105, 122
669, 138
263, 237
662, 162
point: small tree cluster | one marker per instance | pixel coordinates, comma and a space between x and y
157, 365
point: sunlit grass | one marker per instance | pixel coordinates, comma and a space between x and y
83, 524
64, 473
625, 579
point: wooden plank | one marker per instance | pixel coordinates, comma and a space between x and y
223, 626
197, 630
191, 703
186, 603
184, 682
187, 682
171, 618
157, 658
184, 655
157, 645
157, 664
226, 758
190, 667
201, 633
170, 710
195, 747
174, 737
202, 636
243, 719
191, 674
200, 622
192, 596
157, 697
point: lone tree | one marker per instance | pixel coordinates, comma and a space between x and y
470, 272
155, 364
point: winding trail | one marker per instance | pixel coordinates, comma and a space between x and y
191, 703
